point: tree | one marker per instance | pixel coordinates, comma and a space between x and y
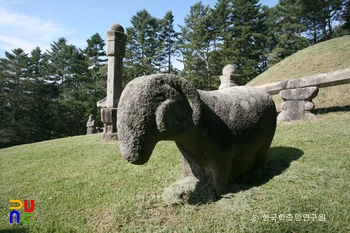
69, 71
345, 15
197, 44
40, 96
24, 99
319, 17
132, 67
75, 92
96, 73
58, 63
58, 60
284, 23
146, 27
344, 18
169, 37
14, 71
45, 95
247, 38
223, 30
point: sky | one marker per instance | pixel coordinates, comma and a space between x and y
27, 24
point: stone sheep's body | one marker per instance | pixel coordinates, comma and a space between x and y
220, 134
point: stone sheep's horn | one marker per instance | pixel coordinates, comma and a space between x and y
181, 111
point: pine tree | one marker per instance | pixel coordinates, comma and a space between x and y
40, 95
223, 30
146, 29
58, 63
16, 68
59, 60
319, 17
14, 125
132, 67
69, 71
75, 92
96, 74
23, 97
345, 15
284, 22
247, 28
197, 46
169, 38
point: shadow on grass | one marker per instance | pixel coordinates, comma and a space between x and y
332, 109
14, 230
280, 159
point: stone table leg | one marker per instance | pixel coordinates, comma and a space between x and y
297, 104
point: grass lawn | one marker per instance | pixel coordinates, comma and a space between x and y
82, 185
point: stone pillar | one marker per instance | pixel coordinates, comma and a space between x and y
228, 78
297, 104
116, 40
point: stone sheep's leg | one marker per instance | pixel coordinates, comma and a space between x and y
261, 156
220, 174
216, 175
186, 168
204, 175
220, 179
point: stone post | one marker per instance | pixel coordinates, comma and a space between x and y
90, 125
297, 104
228, 78
116, 40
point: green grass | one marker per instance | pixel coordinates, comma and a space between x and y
82, 185
321, 58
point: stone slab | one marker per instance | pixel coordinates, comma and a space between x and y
306, 93
333, 78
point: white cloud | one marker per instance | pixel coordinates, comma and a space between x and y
7, 43
27, 32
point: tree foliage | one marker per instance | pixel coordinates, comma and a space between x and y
197, 46
169, 37
320, 17
50, 94
284, 22
150, 45
239, 32
144, 48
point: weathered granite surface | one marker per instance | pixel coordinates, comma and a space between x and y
221, 134
298, 93
228, 78
333, 78
297, 104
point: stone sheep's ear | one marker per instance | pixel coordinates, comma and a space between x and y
180, 112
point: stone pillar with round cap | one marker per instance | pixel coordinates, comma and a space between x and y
115, 52
116, 40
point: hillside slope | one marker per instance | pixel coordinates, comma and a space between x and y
317, 59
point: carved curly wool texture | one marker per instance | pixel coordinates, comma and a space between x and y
220, 134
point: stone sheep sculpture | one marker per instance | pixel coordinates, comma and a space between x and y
221, 134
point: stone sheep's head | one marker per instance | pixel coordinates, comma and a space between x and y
154, 108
